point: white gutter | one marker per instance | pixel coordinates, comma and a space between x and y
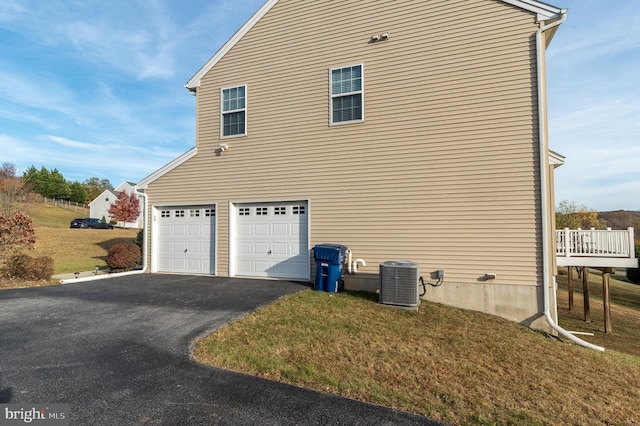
144, 252
543, 187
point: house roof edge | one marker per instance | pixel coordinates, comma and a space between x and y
144, 183
194, 82
542, 10
100, 195
555, 159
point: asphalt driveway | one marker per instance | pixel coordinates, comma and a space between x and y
117, 351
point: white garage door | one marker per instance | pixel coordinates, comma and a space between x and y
272, 240
186, 239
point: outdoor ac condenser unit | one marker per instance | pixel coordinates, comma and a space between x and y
398, 283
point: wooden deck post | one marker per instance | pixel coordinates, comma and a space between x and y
570, 285
606, 299
585, 293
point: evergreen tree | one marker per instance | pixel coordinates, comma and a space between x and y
78, 192
29, 175
58, 186
38, 180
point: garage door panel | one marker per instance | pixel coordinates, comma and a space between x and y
164, 230
165, 247
244, 267
299, 231
179, 265
263, 229
261, 265
277, 235
195, 264
186, 239
282, 229
196, 231
261, 248
195, 248
179, 247
297, 248
179, 230
244, 248
280, 249
244, 230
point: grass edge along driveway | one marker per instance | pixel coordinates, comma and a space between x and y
456, 366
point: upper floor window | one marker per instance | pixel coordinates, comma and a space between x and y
234, 111
346, 94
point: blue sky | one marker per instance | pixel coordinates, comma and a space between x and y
95, 88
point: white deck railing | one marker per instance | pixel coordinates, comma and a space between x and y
595, 243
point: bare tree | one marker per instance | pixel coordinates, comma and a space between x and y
12, 189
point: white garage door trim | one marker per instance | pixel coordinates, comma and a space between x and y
269, 239
184, 239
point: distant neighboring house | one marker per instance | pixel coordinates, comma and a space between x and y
407, 130
100, 205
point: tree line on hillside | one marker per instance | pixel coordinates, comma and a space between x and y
52, 184
49, 184
573, 216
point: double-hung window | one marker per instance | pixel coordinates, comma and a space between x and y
346, 94
234, 111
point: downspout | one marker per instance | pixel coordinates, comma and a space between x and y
543, 187
144, 251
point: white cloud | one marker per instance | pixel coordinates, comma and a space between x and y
72, 144
36, 91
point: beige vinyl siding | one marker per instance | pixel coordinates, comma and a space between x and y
443, 171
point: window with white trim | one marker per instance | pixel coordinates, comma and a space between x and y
346, 94
234, 111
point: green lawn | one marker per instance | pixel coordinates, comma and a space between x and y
73, 250
457, 366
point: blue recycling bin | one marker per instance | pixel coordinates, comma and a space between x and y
329, 260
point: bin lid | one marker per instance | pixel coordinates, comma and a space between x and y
327, 246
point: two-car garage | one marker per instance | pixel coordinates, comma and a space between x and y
267, 239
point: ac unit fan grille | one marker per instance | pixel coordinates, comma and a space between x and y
398, 283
